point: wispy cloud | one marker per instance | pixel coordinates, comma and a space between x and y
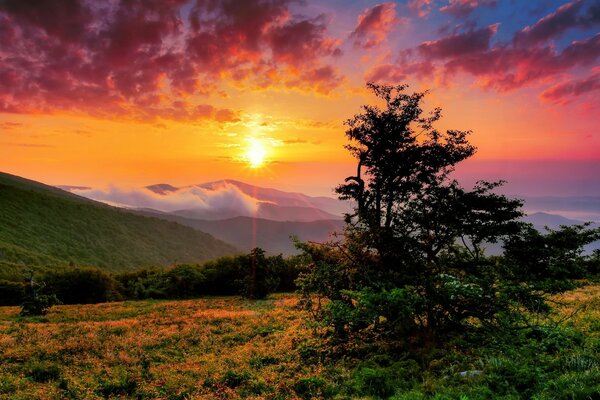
224, 197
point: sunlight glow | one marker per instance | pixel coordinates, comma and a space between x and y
255, 153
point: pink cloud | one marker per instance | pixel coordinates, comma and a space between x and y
501, 66
420, 7
564, 92
374, 24
463, 8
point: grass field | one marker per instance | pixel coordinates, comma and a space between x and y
231, 348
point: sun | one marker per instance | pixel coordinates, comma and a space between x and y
255, 153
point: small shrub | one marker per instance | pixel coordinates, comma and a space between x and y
311, 387
235, 379
123, 386
42, 372
260, 361
36, 300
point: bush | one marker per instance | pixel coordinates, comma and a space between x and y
82, 286
37, 301
259, 275
143, 284
253, 275
185, 281
311, 388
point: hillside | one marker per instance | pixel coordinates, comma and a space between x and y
45, 226
272, 236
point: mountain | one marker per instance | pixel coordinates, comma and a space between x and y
582, 208
247, 232
541, 220
162, 188
288, 199
265, 211
42, 225
274, 197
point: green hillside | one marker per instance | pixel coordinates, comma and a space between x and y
42, 226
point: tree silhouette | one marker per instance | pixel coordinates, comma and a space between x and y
413, 256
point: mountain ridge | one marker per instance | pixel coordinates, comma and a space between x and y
41, 225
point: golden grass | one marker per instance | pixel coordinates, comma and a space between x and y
213, 348
174, 349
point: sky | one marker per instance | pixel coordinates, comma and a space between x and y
133, 93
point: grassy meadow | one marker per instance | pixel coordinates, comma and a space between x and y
230, 348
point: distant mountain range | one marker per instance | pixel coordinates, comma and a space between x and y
268, 211
278, 216
582, 208
42, 226
247, 216
270, 200
248, 232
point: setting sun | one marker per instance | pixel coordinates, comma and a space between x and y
255, 153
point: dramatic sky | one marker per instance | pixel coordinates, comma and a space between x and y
139, 92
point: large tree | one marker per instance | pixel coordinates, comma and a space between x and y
412, 258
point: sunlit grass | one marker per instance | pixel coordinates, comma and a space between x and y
160, 349
229, 348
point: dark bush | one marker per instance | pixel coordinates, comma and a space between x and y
11, 293
82, 286
253, 275
185, 281
143, 284
37, 300
43, 372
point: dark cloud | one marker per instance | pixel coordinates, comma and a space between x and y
569, 16
505, 67
298, 42
395, 73
374, 24
67, 20
457, 45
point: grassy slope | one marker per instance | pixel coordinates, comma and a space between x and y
228, 348
44, 226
